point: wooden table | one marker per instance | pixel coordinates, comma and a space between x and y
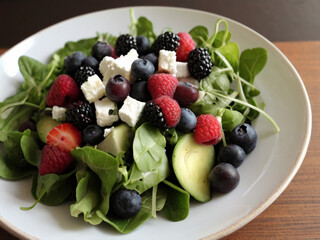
296, 213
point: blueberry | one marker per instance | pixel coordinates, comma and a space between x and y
27, 125
141, 69
92, 62
232, 154
100, 50
188, 120
152, 58
125, 203
224, 178
92, 134
118, 88
186, 94
140, 92
245, 136
74, 61
143, 45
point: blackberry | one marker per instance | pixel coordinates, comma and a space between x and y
82, 74
154, 115
124, 44
81, 114
167, 41
199, 63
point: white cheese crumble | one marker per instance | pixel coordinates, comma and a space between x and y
106, 112
182, 70
167, 62
59, 113
131, 110
93, 88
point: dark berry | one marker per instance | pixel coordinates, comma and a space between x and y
186, 94
140, 92
118, 88
124, 44
74, 61
245, 136
92, 62
224, 178
141, 69
199, 63
188, 120
92, 134
100, 50
81, 114
125, 203
152, 57
154, 115
232, 154
82, 74
27, 125
166, 41
143, 45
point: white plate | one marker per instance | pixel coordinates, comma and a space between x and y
264, 175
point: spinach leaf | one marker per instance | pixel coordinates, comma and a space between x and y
230, 119
30, 149
252, 61
105, 167
200, 35
219, 41
150, 165
231, 52
177, 203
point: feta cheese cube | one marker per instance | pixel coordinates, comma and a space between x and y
131, 110
167, 62
93, 88
106, 112
110, 67
182, 70
59, 113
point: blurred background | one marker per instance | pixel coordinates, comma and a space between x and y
277, 20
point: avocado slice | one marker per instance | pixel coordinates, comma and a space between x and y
44, 126
192, 164
120, 139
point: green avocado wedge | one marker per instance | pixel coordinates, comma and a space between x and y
192, 163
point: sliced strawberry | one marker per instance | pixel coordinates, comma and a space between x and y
64, 136
63, 91
54, 160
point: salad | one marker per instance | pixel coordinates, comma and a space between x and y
126, 126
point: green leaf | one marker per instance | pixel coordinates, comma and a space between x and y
145, 28
218, 42
230, 119
252, 61
231, 52
200, 35
30, 149
150, 165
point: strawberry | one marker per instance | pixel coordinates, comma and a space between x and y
160, 84
163, 112
64, 136
186, 45
63, 91
208, 130
53, 160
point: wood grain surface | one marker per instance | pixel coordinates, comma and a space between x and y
296, 213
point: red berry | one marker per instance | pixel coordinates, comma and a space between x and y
170, 109
160, 84
53, 160
208, 130
64, 136
186, 45
186, 94
63, 91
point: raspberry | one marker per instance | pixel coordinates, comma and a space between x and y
82, 74
208, 130
63, 91
163, 112
199, 63
81, 114
124, 44
167, 41
186, 45
54, 160
160, 84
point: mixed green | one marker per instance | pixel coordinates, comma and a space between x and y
95, 174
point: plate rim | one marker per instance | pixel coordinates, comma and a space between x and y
9, 227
